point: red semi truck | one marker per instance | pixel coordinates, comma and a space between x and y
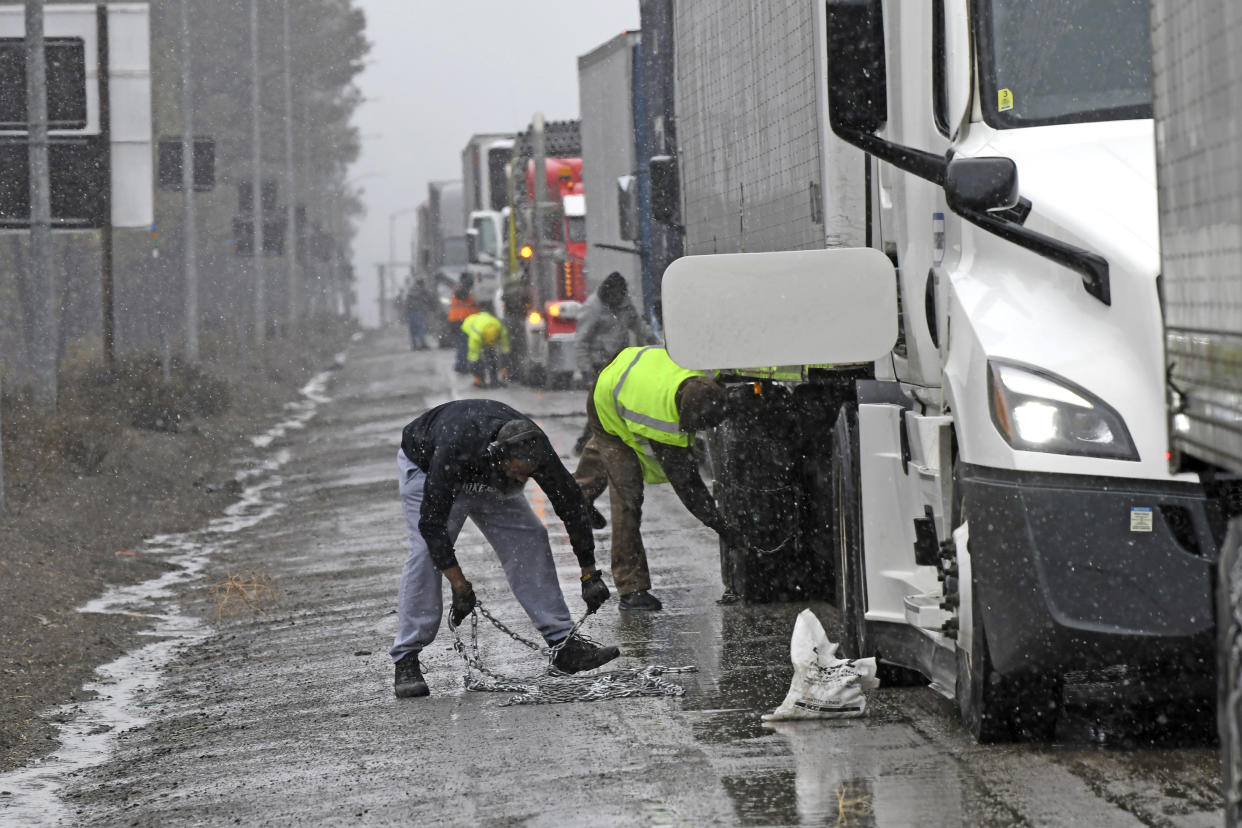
547, 242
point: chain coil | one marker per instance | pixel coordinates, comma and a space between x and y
554, 686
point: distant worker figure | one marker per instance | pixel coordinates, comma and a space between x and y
608, 322
487, 349
419, 301
643, 414
471, 459
461, 305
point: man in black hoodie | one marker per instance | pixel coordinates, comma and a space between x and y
471, 459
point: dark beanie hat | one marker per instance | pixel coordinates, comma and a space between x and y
613, 289
518, 440
701, 403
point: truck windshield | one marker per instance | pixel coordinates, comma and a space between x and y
488, 243
1064, 61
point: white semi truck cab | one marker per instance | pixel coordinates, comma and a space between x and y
996, 492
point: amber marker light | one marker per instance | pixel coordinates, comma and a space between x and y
526, 252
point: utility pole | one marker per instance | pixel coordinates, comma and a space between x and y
190, 243
41, 273
107, 281
291, 231
256, 189
383, 296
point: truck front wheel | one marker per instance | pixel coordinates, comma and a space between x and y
993, 707
847, 512
850, 574
1229, 670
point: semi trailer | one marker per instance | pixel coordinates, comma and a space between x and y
607, 97
986, 496
1197, 89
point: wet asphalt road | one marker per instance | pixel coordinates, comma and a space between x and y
289, 717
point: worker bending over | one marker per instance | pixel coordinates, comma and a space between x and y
487, 349
470, 459
643, 414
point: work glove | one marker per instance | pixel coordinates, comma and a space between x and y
463, 604
594, 591
504, 374
478, 381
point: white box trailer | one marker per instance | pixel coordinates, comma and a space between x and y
483, 176
1198, 95
606, 103
988, 499
484, 168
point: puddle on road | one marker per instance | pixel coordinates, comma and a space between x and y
88, 731
835, 772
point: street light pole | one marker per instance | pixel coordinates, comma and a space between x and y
392, 258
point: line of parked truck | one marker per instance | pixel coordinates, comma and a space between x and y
533, 245
923, 247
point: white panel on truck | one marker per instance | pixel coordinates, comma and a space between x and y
1198, 107
748, 126
605, 78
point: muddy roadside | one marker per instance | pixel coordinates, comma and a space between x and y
119, 461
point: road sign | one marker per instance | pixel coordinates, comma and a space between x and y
204, 164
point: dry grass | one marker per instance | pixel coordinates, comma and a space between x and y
250, 590
853, 804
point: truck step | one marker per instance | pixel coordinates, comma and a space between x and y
924, 611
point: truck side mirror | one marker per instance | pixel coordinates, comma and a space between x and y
665, 189
981, 184
472, 246
627, 207
857, 82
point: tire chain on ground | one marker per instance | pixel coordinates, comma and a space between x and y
554, 686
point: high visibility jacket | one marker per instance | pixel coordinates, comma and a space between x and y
475, 328
462, 306
636, 400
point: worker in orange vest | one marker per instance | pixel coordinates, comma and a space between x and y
461, 306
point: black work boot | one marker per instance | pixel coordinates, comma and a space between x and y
581, 653
598, 521
642, 600
409, 681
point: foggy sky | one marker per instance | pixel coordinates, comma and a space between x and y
441, 70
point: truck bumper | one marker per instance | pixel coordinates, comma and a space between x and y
1070, 577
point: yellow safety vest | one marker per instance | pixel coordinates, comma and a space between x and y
636, 400
473, 328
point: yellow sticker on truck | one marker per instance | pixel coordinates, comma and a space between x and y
1004, 100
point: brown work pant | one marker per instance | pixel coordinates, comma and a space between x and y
607, 462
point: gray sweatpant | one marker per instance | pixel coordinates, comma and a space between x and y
514, 531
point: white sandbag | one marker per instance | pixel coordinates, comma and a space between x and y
823, 686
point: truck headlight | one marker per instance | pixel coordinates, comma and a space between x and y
1035, 411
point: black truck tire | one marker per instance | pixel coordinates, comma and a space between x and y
993, 707
1229, 670
849, 574
847, 507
